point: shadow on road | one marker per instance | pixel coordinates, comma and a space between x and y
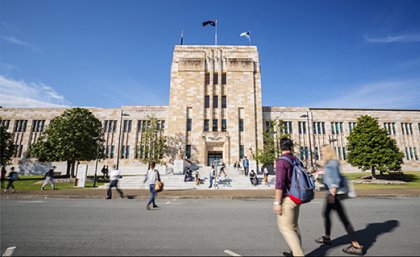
367, 237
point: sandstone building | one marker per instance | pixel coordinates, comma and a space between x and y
215, 111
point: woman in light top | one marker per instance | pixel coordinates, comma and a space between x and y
332, 178
151, 177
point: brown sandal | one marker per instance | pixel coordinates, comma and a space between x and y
353, 250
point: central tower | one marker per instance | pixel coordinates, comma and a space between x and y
215, 107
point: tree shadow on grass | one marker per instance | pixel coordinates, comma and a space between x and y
367, 237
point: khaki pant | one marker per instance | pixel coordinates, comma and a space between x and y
288, 226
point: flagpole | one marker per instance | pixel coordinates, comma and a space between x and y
215, 34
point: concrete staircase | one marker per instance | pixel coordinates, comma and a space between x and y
234, 180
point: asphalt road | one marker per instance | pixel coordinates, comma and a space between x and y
75, 227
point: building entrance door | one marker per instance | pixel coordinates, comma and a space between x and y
214, 157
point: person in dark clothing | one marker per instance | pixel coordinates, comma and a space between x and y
12, 178
253, 178
3, 176
188, 176
49, 178
105, 171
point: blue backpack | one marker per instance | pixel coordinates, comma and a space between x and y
302, 186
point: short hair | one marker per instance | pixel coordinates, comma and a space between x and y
286, 144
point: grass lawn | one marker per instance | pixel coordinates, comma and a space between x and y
412, 177
28, 183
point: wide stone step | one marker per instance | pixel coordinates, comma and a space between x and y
177, 182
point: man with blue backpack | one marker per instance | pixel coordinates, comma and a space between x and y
293, 187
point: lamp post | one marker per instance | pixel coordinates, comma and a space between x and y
309, 137
97, 158
119, 138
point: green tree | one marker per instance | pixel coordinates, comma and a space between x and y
6, 146
154, 143
73, 136
370, 147
272, 136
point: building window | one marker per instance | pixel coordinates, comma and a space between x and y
241, 151
189, 124
223, 78
207, 78
340, 157
287, 127
127, 126
206, 125
304, 153
6, 123
406, 154
224, 101
302, 127
224, 125
207, 101
319, 128
241, 125
17, 150
38, 125
344, 154
110, 126
336, 127
415, 154
215, 121
111, 155
215, 78
351, 126
267, 125
20, 125
406, 128
188, 151
215, 101
390, 127
316, 153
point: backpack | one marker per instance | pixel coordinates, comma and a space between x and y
302, 186
13, 176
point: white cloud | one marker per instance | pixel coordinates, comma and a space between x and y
18, 93
404, 38
386, 94
14, 40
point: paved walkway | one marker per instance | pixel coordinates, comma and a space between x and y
192, 193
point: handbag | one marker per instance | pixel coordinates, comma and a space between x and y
159, 186
346, 189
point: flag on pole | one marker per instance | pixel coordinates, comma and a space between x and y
182, 37
246, 34
211, 22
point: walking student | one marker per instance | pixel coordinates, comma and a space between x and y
245, 164
265, 172
212, 175
332, 178
49, 178
115, 177
286, 210
151, 177
13, 176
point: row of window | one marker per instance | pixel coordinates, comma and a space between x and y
337, 127
215, 78
304, 153
110, 126
215, 125
215, 101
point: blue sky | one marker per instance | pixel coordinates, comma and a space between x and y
109, 53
